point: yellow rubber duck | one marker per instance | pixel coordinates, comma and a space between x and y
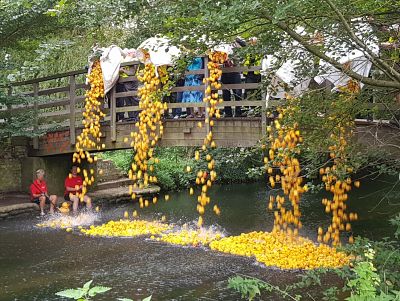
64, 209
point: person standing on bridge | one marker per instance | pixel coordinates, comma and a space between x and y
234, 78
40, 195
73, 187
193, 96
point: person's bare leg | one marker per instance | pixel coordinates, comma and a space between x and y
88, 202
53, 203
75, 202
201, 112
42, 204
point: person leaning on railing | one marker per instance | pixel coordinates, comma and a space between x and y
127, 100
194, 80
232, 78
252, 77
176, 97
40, 194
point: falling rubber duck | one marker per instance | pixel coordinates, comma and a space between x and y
64, 209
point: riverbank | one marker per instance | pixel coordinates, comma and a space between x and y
13, 204
18, 204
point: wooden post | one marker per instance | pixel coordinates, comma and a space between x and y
36, 108
113, 115
72, 101
9, 93
264, 107
263, 119
207, 75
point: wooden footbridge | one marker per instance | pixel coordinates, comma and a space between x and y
60, 100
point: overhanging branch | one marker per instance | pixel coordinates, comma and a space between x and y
315, 51
389, 71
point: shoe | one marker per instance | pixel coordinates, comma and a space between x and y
176, 117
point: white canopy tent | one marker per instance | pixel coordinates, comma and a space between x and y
160, 51
355, 59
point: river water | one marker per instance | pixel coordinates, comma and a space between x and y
35, 263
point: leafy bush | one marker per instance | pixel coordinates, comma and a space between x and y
373, 275
250, 287
86, 293
232, 165
396, 222
121, 158
386, 260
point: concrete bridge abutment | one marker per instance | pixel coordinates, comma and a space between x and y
17, 168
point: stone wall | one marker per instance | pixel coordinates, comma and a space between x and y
12, 153
17, 170
57, 169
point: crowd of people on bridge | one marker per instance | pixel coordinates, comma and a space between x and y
191, 96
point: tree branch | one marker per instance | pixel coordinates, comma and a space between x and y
315, 51
389, 71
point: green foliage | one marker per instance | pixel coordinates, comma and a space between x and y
248, 287
386, 260
276, 23
238, 164
330, 294
43, 37
364, 286
366, 280
18, 122
396, 222
84, 293
374, 275
171, 170
121, 158
232, 165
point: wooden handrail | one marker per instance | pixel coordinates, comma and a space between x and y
83, 71
65, 110
184, 105
45, 78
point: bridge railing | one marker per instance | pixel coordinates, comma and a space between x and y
59, 99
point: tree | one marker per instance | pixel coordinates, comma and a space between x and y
285, 27
42, 37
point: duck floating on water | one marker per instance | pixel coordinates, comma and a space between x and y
64, 209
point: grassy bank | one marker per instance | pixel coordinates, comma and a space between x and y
233, 165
